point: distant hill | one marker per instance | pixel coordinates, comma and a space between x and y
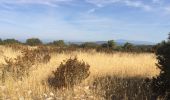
119, 42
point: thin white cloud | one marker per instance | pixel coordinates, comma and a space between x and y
130, 3
91, 10
137, 4
166, 10
52, 3
157, 1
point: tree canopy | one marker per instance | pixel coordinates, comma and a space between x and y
33, 41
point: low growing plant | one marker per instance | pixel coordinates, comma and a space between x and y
69, 73
21, 65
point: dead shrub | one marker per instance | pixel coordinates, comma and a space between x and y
122, 88
69, 73
42, 54
22, 64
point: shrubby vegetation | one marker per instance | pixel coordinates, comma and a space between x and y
69, 73
30, 71
111, 44
128, 47
161, 83
33, 42
108, 47
126, 88
10, 41
59, 43
89, 45
20, 66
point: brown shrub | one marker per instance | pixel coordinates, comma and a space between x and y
21, 65
69, 73
42, 54
123, 88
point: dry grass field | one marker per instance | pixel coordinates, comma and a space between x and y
103, 67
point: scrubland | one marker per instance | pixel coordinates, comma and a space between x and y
113, 76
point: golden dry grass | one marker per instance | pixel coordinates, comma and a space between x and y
117, 64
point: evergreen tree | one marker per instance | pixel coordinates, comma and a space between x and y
161, 84
33, 41
111, 44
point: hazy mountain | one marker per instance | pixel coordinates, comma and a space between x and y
119, 42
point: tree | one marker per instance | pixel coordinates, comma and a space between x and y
89, 45
11, 41
59, 43
128, 46
111, 44
161, 84
33, 41
1, 42
104, 45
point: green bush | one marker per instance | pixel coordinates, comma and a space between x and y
161, 83
11, 41
111, 44
33, 42
128, 47
59, 43
89, 45
1, 42
69, 73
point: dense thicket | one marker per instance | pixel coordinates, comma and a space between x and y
69, 73
161, 83
33, 41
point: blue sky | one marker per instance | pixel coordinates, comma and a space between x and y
85, 20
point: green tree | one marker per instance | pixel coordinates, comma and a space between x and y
11, 41
59, 43
89, 45
104, 45
1, 42
128, 46
161, 84
33, 42
111, 44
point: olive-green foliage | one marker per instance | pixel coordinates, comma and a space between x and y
72, 45
1, 42
59, 43
89, 45
104, 45
11, 41
33, 42
108, 47
161, 83
111, 44
69, 73
128, 47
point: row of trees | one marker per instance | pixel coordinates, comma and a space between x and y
110, 45
31, 42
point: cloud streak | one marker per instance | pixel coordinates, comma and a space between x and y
52, 3
84, 19
130, 3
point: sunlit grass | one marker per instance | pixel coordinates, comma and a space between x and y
35, 86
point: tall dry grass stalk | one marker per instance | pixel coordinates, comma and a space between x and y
35, 86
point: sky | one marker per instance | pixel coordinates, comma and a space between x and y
85, 20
